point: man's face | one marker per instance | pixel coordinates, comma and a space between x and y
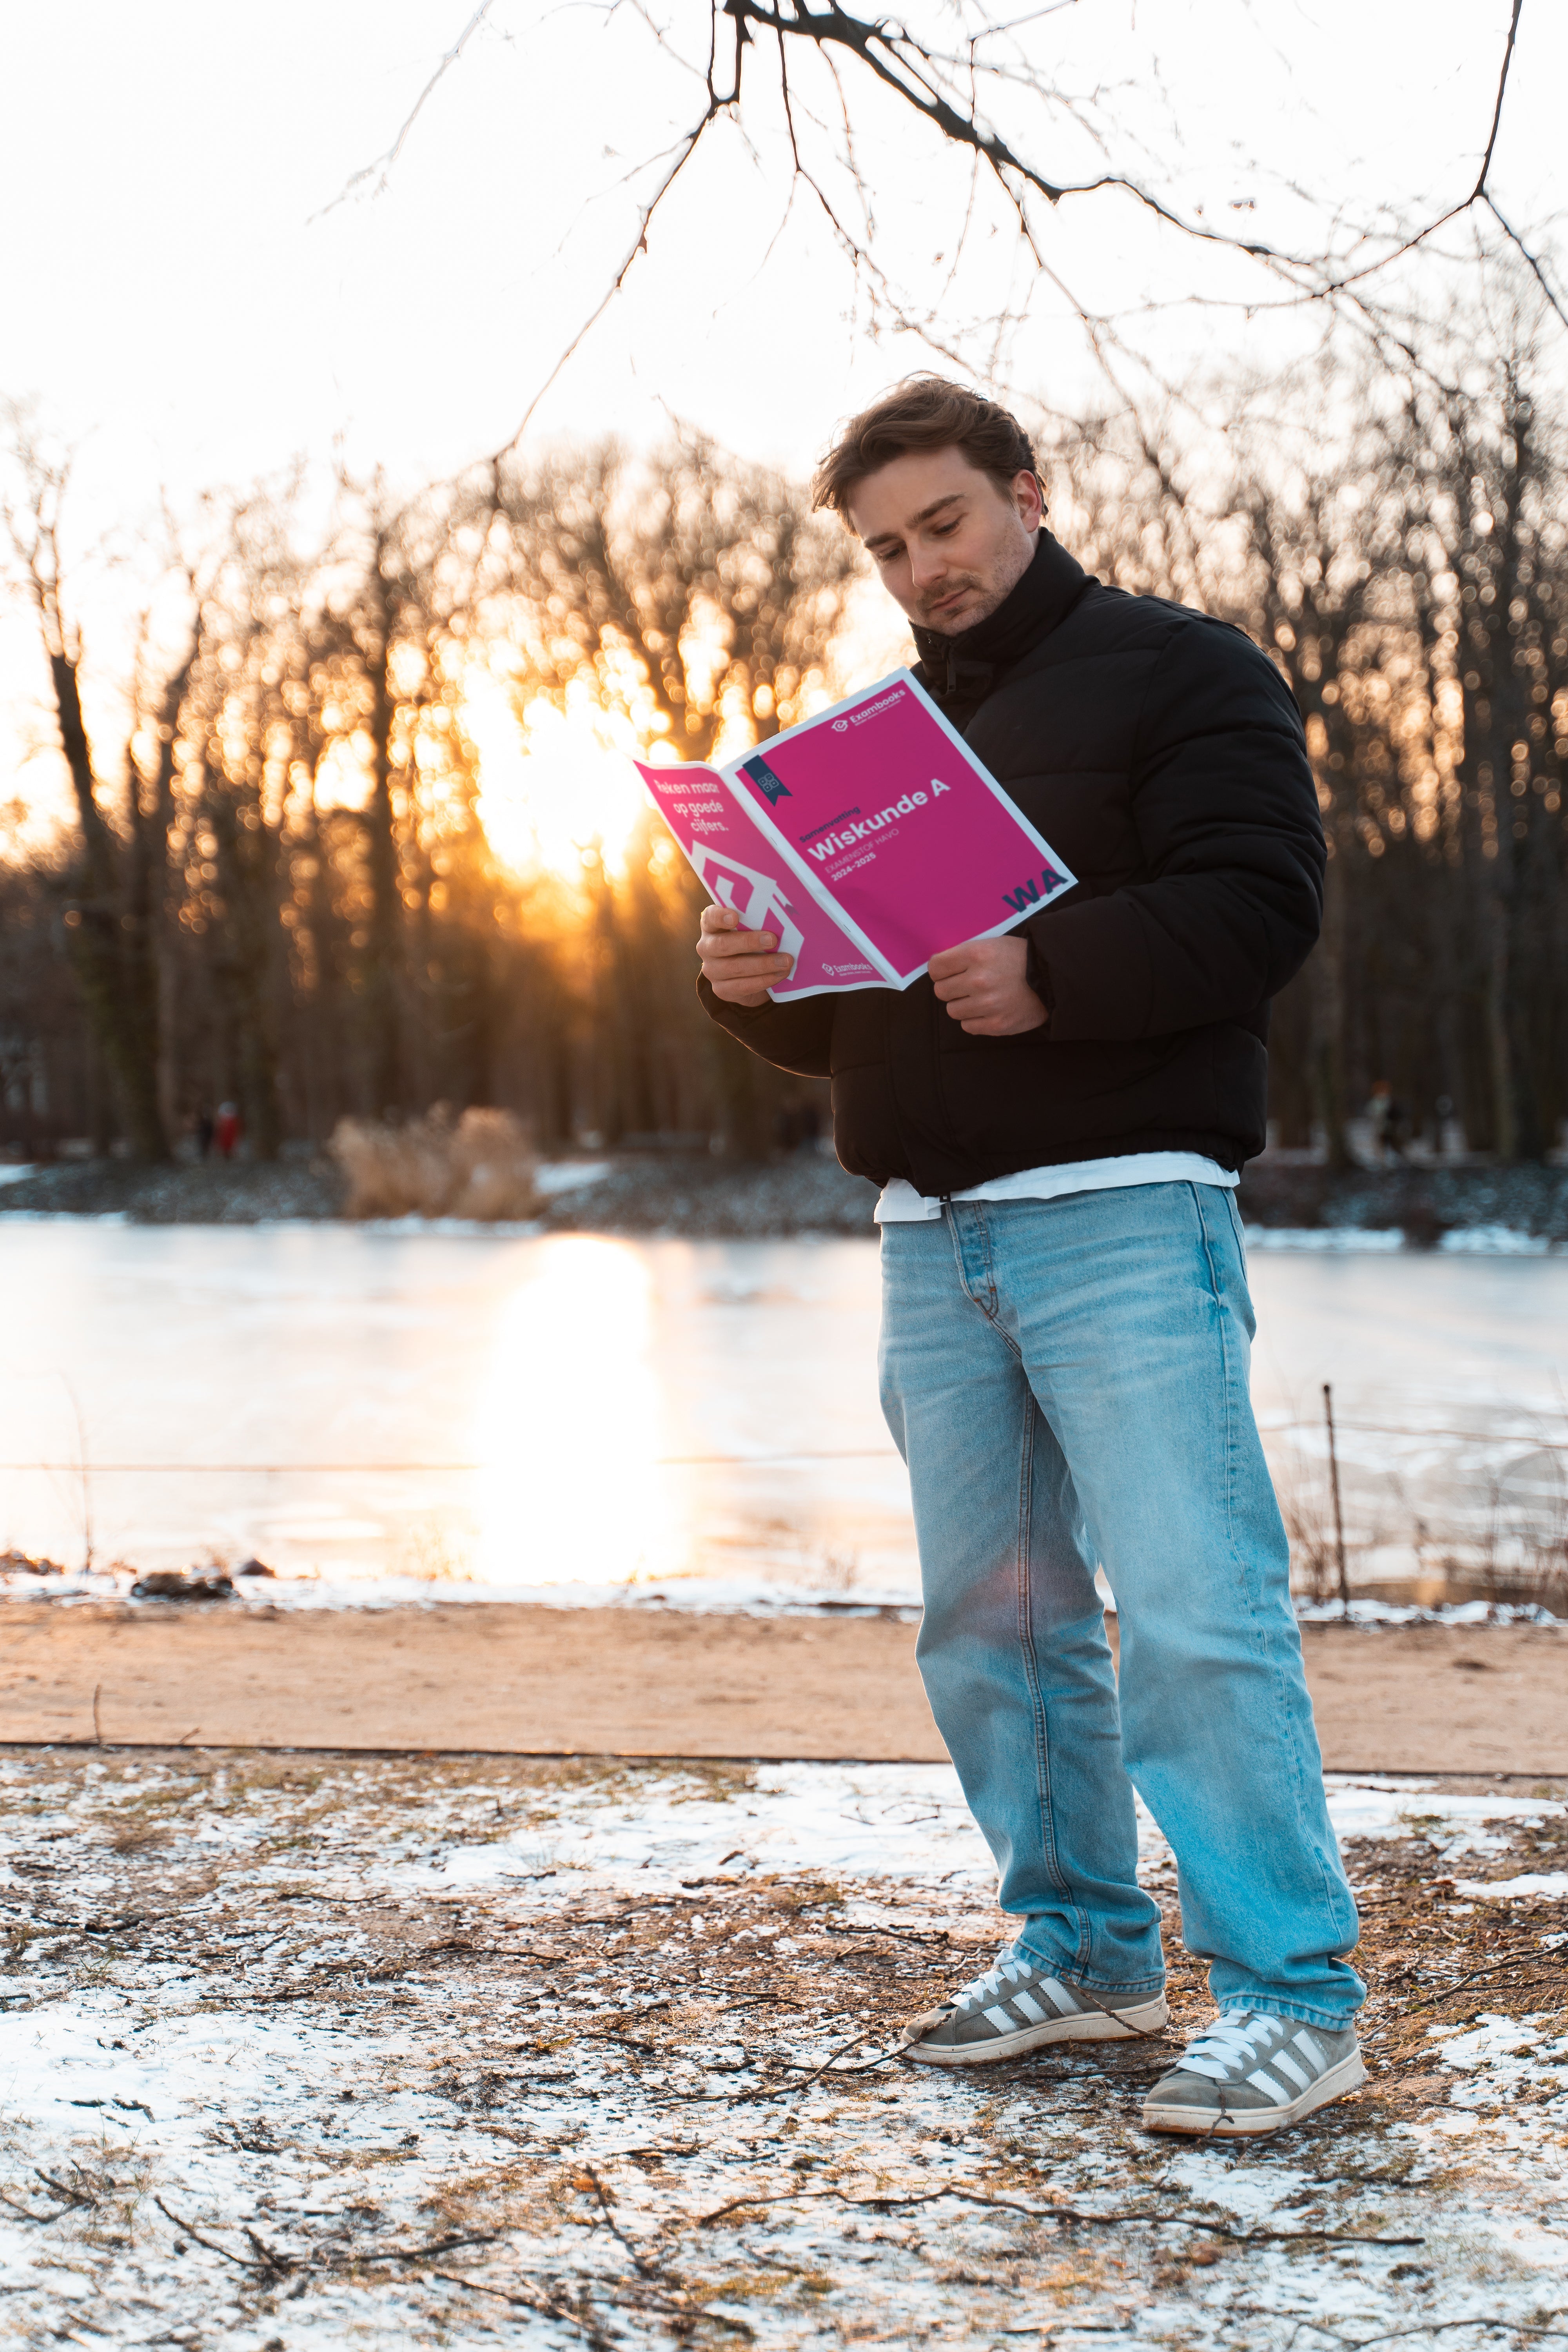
948, 540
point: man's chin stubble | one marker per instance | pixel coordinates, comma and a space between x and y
942, 626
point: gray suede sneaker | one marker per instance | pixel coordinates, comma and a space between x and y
1251, 2074
1017, 2006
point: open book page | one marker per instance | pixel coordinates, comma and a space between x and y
908, 838
741, 866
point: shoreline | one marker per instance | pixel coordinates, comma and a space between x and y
1286, 1200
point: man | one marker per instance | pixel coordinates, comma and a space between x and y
1056, 1119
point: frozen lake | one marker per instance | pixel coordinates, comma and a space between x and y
522, 1414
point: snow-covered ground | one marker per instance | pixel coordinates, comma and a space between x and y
306, 2052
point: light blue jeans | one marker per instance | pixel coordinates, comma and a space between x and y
1067, 1381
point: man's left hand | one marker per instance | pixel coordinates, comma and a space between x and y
983, 986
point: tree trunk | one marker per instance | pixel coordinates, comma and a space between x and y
246, 863
382, 960
109, 938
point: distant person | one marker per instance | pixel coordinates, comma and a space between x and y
1389, 1122
227, 1129
1056, 1119
205, 1130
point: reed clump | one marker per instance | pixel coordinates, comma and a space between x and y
480, 1165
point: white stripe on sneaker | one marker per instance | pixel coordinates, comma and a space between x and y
1283, 2063
1030, 2008
1316, 2056
1269, 2087
1000, 2019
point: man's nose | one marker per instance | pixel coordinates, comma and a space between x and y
927, 566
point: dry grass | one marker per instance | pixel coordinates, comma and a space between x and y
480, 1166
322, 2094
1487, 1528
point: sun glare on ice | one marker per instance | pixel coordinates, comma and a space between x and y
572, 1423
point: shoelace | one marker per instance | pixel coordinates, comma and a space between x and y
1006, 1969
1229, 2043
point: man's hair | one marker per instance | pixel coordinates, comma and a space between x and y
924, 412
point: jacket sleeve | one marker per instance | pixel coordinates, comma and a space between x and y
1225, 811
795, 1036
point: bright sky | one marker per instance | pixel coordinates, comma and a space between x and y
182, 297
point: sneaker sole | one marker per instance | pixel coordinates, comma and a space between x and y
1089, 2025
1254, 2122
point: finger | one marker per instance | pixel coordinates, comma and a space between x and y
753, 947
949, 963
752, 990
738, 969
737, 943
719, 918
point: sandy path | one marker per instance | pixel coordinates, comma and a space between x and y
529, 1680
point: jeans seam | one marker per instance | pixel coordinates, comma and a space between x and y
1326, 1886
1043, 1799
1236, 1226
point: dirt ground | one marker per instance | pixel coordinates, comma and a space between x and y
470, 1677
308, 2052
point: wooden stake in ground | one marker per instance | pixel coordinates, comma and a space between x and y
1339, 1516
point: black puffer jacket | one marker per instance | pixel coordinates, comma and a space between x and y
1163, 755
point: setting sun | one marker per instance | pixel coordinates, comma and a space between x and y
551, 782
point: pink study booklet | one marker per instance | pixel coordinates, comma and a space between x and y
869, 839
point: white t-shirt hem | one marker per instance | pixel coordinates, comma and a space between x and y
901, 1204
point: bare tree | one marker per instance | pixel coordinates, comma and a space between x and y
1406, 572
704, 586
1409, 575
114, 886
995, 89
700, 597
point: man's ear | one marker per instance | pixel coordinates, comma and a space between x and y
1030, 498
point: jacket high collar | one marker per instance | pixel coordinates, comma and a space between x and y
960, 671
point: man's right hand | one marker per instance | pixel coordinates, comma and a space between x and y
740, 966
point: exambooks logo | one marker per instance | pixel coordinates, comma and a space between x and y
851, 834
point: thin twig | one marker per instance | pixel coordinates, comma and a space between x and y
1062, 2213
548, 2310
614, 2226
787, 2090
240, 2261
383, 163
1444, 1991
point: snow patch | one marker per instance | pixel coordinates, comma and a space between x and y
1492, 1241
1553, 1882
1322, 1238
